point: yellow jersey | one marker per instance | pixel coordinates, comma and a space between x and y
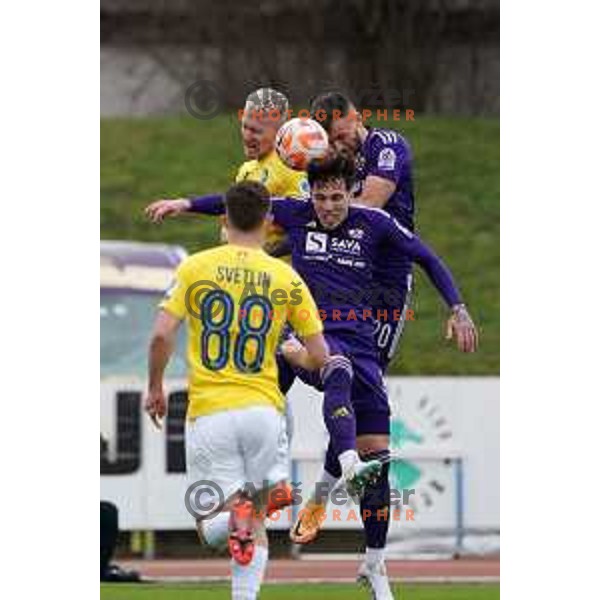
236, 301
280, 181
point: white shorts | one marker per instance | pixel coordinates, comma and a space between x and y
236, 448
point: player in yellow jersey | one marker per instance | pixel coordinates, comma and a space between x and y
259, 126
264, 112
235, 300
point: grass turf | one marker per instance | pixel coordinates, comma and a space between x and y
298, 591
457, 196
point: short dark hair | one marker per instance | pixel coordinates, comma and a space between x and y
338, 167
247, 204
323, 105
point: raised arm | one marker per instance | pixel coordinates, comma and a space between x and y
208, 205
213, 204
285, 211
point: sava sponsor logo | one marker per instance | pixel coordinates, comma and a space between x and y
347, 246
316, 243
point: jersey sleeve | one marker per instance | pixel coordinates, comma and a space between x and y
399, 239
303, 314
208, 205
389, 157
174, 300
288, 213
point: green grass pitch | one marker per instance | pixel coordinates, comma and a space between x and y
457, 181
299, 592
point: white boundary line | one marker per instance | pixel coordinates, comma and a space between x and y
342, 580
390, 557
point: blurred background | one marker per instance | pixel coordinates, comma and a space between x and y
165, 67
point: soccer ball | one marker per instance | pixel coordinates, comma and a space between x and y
299, 141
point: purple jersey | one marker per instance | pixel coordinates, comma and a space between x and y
339, 264
386, 154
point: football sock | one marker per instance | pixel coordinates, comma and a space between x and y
375, 509
215, 531
348, 460
246, 581
338, 413
332, 464
374, 556
324, 486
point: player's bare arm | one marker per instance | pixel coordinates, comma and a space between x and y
310, 355
160, 209
376, 192
213, 205
162, 344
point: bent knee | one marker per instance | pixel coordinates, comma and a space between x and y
337, 364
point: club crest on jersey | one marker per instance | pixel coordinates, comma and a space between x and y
304, 188
386, 159
356, 234
316, 242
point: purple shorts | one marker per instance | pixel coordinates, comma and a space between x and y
369, 395
388, 330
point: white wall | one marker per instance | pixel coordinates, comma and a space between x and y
433, 418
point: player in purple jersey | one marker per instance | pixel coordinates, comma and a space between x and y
383, 162
336, 247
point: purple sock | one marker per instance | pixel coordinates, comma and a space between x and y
332, 464
375, 509
337, 406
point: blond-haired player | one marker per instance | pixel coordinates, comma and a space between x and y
235, 300
265, 110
